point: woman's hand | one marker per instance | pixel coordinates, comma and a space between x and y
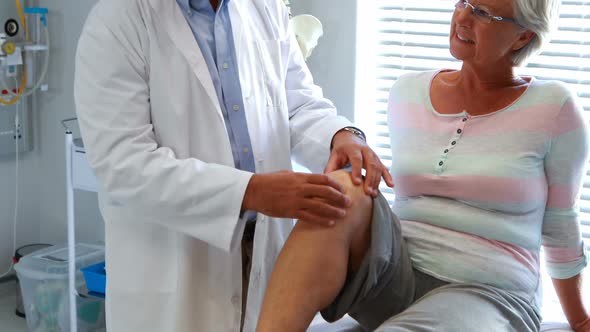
347, 148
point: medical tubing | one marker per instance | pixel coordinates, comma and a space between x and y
23, 84
14, 222
43, 72
23, 21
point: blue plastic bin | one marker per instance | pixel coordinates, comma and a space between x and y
96, 278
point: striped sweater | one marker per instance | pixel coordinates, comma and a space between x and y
479, 195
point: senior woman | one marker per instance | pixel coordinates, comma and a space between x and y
488, 167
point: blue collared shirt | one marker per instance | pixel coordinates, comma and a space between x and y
213, 33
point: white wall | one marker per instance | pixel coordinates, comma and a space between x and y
333, 61
42, 199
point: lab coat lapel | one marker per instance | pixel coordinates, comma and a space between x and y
235, 8
173, 21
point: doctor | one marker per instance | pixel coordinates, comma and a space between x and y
189, 111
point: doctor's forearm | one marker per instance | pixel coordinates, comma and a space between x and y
570, 293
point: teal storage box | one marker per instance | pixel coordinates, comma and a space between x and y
96, 278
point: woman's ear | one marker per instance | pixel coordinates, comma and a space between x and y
523, 39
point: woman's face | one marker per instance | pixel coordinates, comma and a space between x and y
473, 40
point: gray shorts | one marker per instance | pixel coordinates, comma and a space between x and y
387, 294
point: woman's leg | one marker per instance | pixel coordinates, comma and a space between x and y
313, 265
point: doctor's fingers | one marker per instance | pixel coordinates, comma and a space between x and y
318, 211
307, 216
335, 163
374, 170
323, 179
328, 195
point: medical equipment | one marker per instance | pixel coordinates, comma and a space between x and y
28, 49
308, 31
23, 45
11, 27
78, 176
19, 48
16, 193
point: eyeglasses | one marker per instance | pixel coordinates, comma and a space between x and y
482, 14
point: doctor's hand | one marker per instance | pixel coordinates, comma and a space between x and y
310, 197
348, 148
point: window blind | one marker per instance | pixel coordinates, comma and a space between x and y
398, 37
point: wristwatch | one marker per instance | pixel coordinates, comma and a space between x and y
353, 130
356, 131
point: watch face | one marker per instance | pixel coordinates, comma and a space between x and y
356, 132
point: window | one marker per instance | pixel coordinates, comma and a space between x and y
396, 37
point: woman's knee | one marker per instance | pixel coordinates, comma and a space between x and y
362, 203
348, 230
356, 192
357, 223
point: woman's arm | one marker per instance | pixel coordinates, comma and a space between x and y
565, 167
570, 293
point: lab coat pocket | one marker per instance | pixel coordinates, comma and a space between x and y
273, 57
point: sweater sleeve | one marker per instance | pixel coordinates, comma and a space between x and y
565, 166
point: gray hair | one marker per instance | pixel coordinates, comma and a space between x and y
540, 17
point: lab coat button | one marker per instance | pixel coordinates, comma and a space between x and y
235, 300
225, 65
236, 108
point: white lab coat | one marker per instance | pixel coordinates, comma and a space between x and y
156, 139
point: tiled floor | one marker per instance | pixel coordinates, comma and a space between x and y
9, 322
